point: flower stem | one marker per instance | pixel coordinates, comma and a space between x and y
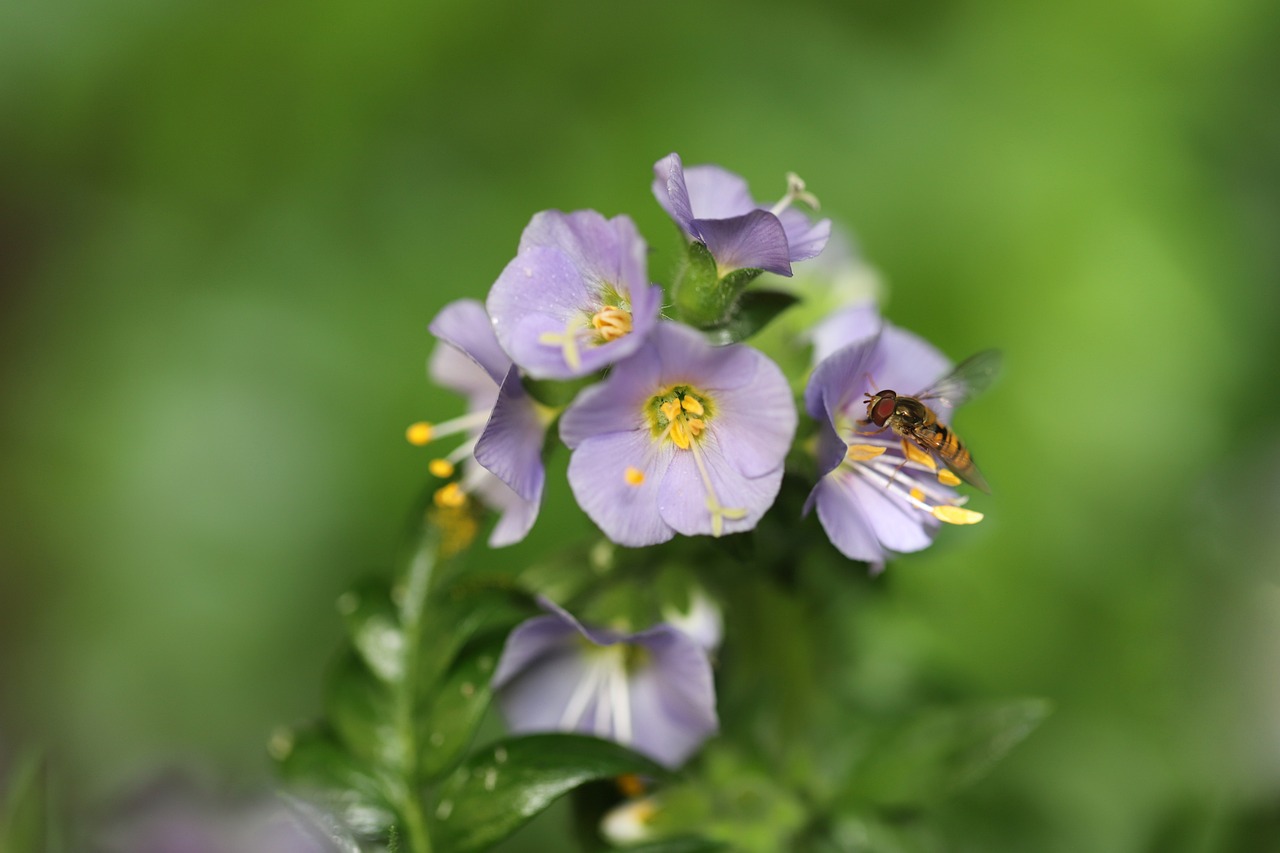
417, 583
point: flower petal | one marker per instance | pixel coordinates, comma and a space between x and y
686, 357
756, 422
515, 514
805, 239
670, 190
754, 240
453, 369
683, 497
717, 193
617, 403
673, 698
531, 640
604, 251
511, 444
841, 517
851, 325
464, 325
626, 512
539, 292
898, 525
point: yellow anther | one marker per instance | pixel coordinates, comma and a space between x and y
917, 494
956, 515
441, 468
634, 476
696, 426
680, 434
915, 454
611, 323
418, 434
671, 409
946, 478
450, 496
864, 452
691, 405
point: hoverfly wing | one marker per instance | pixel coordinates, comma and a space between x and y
969, 379
968, 472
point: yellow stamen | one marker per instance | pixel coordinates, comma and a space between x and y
956, 515
696, 426
680, 434
691, 405
441, 468
611, 323
864, 452
634, 476
917, 494
915, 454
671, 409
946, 478
419, 434
450, 496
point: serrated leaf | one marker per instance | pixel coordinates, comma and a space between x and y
374, 628
361, 710
454, 713
940, 752
25, 822
498, 789
755, 310
316, 766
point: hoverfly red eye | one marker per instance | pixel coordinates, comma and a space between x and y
883, 409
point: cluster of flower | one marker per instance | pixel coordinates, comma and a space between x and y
670, 433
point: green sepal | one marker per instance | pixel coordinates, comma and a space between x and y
313, 763
501, 787
755, 310
454, 713
939, 752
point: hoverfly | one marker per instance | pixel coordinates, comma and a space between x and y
918, 425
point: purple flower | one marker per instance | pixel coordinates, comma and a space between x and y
576, 297
502, 456
714, 207
876, 494
682, 437
651, 691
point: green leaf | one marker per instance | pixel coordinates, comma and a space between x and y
454, 713
498, 789
26, 822
754, 310
374, 628
361, 710
940, 752
314, 764
452, 619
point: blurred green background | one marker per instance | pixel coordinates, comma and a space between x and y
225, 226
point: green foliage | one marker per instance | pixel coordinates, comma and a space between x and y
753, 311
498, 789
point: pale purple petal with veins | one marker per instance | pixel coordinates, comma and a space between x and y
464, 325
636, 484
714, 206
511, 444
556, 674
569, 267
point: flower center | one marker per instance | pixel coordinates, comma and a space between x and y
611, 322
680, 414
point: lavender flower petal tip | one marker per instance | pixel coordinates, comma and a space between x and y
682, 437
651, 691
877, 494
576, 298
714, 207
504, 428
